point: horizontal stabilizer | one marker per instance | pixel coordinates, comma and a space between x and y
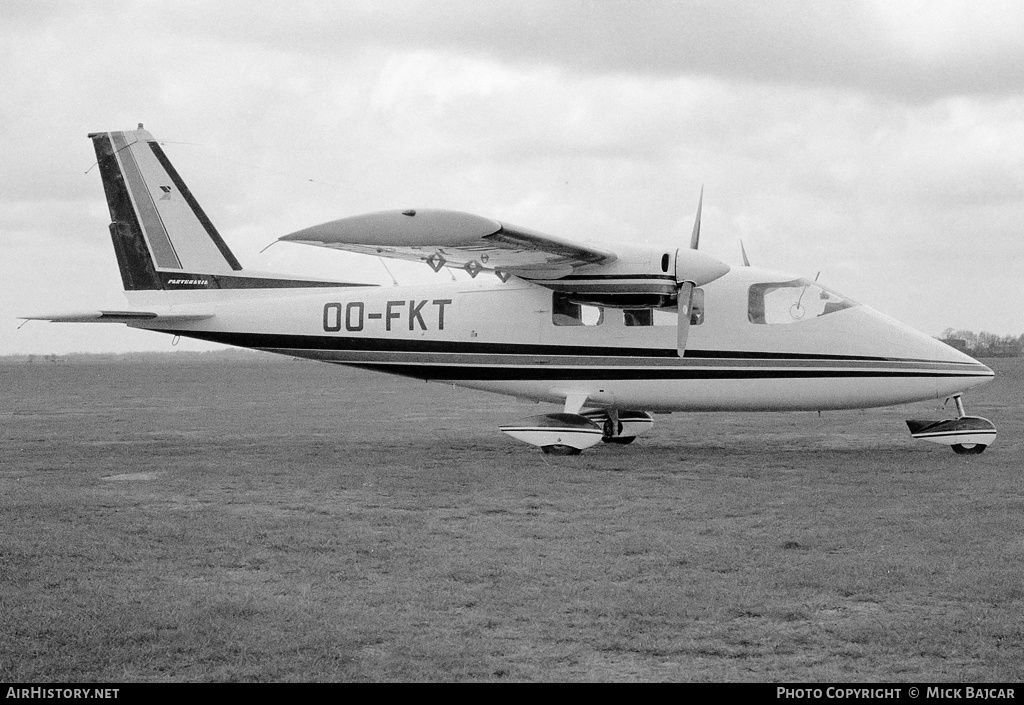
118, 317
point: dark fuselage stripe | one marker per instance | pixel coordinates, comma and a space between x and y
285, 343
190, 281
456, 365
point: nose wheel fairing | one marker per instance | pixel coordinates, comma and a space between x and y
966, 435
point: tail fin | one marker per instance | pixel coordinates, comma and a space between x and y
162, 237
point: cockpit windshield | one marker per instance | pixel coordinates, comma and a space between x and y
775, 303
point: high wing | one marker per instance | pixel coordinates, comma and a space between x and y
445, 238
632, 276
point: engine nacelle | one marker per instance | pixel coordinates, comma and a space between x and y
642, 276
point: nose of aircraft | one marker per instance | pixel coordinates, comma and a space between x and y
947, 353
941, 369
979, 374
955, 371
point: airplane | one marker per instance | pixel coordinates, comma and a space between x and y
611, 335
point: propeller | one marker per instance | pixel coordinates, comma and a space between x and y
695, 237
685, 305
693, 269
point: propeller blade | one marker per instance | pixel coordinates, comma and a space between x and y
695, 237
684, 301
746, 262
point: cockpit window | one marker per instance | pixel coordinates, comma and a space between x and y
776, 303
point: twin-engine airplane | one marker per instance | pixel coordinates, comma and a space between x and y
611, 336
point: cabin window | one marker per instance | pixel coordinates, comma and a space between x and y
661, 317
775, 303
565, 312
666, 318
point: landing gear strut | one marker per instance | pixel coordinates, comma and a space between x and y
966, 435
612, 428
621, 426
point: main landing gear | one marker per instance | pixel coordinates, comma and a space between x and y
621, 427
570, 434
966, 435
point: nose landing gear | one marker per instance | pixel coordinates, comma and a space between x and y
966, 435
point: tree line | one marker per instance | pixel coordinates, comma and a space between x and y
984, 344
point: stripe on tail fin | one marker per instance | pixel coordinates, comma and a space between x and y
162, 237
133, 257
157, 227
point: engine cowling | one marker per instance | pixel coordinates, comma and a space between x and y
640, 277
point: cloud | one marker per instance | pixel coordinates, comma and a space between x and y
878, 142
906, 51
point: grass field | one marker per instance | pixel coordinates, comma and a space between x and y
294, 521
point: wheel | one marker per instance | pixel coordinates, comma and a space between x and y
610, 429
559, 449
619, 440
968, 448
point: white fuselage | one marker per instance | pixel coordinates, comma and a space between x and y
502, 337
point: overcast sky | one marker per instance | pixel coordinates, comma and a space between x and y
880, 143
